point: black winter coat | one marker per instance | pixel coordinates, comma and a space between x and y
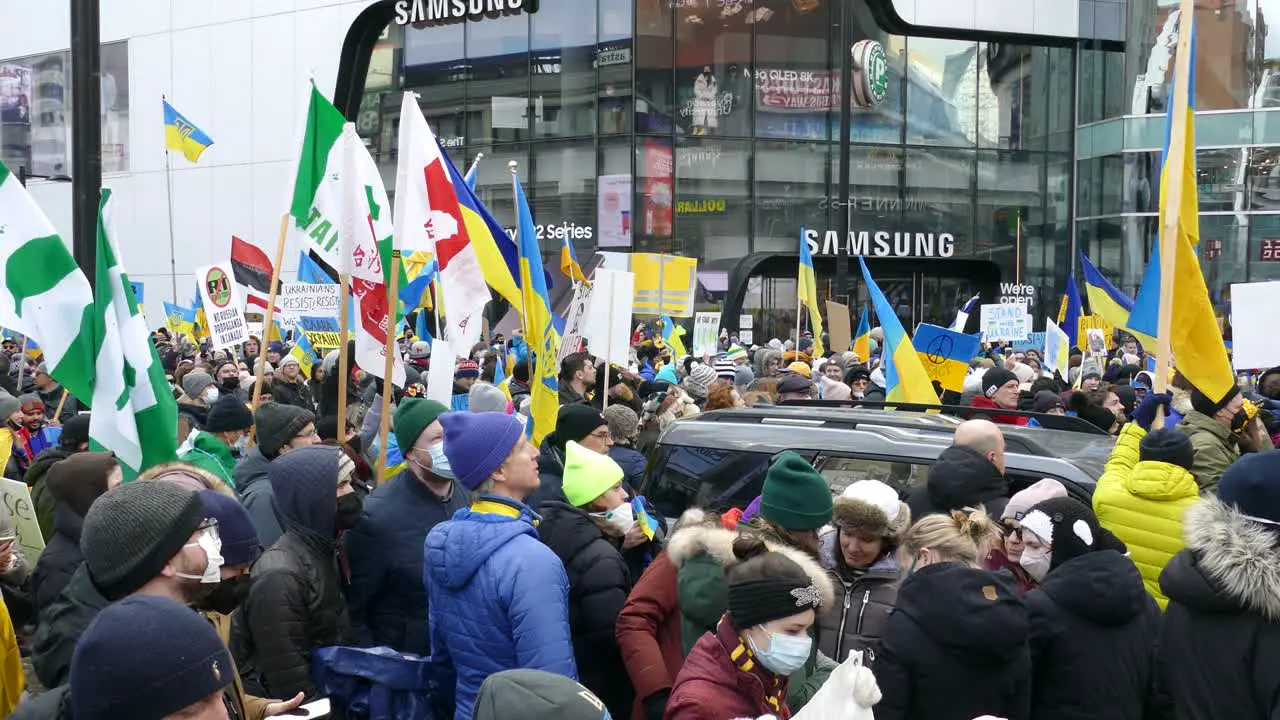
62, 624
599, 582
296, 603
1220, 640
59, 560
1093, 637
35, 478
631, 461
550, 475
297, 394
955, 648
387, 598
961, 477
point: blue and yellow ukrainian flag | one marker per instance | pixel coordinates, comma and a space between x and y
181, 135
673, 335
1106, 300
862, 338
947, 353
303, 351
417, 294
1195, 337
1070, 311
646, 522
181, 321
569, 262
499, 257
807, 289
539, 330
905, 377
501, 379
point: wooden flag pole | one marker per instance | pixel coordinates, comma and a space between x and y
62, 401
1171, 199
268, 319
344, 318
388, 368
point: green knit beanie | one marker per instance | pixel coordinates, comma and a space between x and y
412, 417
795, 497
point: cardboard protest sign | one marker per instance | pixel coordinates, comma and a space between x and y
945, 354
316, 299
705, 338
664, 284
608, 327
1095, 322
839, 326
222, 305
16, 498
575, 321
1005, 322
1254, 341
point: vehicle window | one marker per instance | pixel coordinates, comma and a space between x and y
841, 472
712, 479
1019, 481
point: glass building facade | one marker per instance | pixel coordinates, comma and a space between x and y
711, 128
1121, 135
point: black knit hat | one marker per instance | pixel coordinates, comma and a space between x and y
1071, 528
996, 378
536, 695
576, 422
228, 414
759, 600
146, 657
1206, 406
277, 424
1096, 414
1249, 486
1047, 400
75, 432
131, 532
1167, 445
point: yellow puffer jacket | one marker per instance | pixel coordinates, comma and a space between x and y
1143, 503
11, 677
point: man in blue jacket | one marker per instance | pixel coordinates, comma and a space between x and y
498, 597
386, 597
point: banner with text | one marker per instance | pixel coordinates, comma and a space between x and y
315, 299
1005, 323
223, 305
322, 332
22, 517
705, 334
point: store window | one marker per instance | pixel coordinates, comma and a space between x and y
435, 62
655, 67
938, 192
714, 69
942, 92
563, 69
613, 61
499, 107
797, 91
562, 192
1011, 217
712, 198
793, 181
35, 111
655, 194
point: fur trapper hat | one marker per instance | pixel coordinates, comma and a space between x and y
872, 507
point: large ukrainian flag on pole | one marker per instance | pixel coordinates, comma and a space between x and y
182, 135
808, 293
539, 331
1173, 290
905, 376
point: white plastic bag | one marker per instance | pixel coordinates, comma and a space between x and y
848, 694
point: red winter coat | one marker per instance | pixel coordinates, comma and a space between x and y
985, 405
648, 631
714, 686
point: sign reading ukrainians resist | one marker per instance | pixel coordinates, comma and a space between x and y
1005, 323
222, 305
308, 299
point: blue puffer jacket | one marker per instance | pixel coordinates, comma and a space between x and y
498, 598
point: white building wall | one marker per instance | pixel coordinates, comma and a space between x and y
236, 68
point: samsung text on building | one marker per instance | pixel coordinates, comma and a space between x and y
440, 12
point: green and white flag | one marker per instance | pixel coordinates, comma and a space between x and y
95, 344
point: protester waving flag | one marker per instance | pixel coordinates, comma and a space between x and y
862, 338
962, 315
1069, 313
905, 378
569, 266
673, 335
96, 344
540, 333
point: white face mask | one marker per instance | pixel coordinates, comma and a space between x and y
622, 517
210, 394
1036, 562
212, 546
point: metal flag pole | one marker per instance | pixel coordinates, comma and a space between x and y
168, 186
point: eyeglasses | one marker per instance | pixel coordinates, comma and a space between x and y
602, 434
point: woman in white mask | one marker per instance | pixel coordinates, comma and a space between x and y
742, 668
1093, 623
589, 529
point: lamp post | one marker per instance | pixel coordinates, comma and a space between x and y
86, 132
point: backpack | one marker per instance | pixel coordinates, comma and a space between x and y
382, 684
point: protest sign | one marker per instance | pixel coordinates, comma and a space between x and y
608, 331
945, 354
839, 326
1254, 341
222, 305
1088, 322
18, 505
440, 376
664, 284
317, 299
705, 340
1001, 323
1097, 342
1056, 349
746, 337
322, 332
575, 321
1034, 341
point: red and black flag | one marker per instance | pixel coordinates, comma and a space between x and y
252, 270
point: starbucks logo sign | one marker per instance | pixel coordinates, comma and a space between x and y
870, 73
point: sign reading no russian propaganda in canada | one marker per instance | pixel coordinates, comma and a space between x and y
440, 12
222, 305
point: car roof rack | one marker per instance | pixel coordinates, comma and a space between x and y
1051, 422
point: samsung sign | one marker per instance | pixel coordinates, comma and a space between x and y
882, 243
440, 12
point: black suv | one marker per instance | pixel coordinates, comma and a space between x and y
717, 460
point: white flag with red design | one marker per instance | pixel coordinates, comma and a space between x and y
427, 218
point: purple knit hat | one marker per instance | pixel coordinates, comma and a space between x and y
478, 443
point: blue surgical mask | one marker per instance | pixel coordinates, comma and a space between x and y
786, 653
440, 461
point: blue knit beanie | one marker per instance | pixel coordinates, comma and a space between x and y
240, 545
478, 443
146, 657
